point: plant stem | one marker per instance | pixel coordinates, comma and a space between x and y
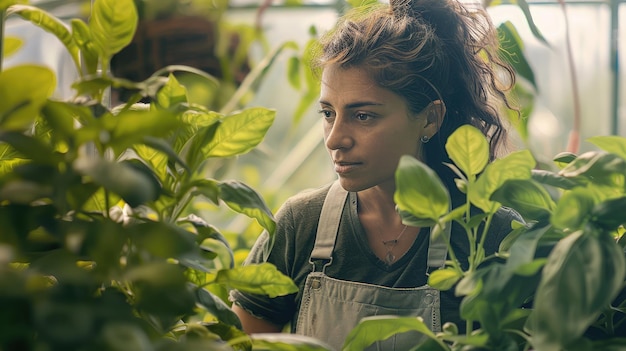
484, 234
2, 20
574, 137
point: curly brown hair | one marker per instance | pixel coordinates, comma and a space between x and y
427, 50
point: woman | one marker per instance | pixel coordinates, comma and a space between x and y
396, 79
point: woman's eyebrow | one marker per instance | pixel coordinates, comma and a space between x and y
355, 104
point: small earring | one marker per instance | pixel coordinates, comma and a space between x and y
424, 139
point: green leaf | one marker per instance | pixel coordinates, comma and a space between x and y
512, 49
217, 307
598, 166
30, 147
584, 273
243, 199
419, 191
573, 209
11, 46
527, 197
287, 342
262, 279
171, 94
610, 143
609, 214
23, 90
130, 127
553, 179
82, 37
444, 279
132, 185
113, 24
468, 148
375, 328
516, 165
164, 240
239, 133
50, 24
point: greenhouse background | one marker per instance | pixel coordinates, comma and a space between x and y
292, 156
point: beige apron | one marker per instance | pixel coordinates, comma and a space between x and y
331, 308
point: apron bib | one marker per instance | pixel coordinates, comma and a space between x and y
331, 308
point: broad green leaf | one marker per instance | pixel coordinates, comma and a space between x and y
287, 342
610, 143
60, 117
419, 191
165, 147
92, 85
609, 214
193, 136
9, 159
217, 307
132, 185
512, 49
584, 273
262, 279
469, 149
11, 46
243, 199
89, 53
239, 133
553, 179
209, 188
130, 127
23, 90
124, 336
50, 24
444, 279
599, 166
172, 93
113, 24
376, 328
164, 240
30, 147
573, 209
562, 159
24, 192
516, 165
161, 289
527, 197
156, 159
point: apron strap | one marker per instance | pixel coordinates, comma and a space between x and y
438, 248
328, 225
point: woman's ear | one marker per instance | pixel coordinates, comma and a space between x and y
435, 113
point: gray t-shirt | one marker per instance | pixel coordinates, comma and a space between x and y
353, 259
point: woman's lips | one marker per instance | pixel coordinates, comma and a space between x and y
344, 167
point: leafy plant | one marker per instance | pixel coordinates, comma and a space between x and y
557, 282
100, 248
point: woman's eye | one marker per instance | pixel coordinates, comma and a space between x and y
325, 113
362, 116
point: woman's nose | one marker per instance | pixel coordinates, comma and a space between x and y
338, 135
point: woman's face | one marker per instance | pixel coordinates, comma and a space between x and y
367, 128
